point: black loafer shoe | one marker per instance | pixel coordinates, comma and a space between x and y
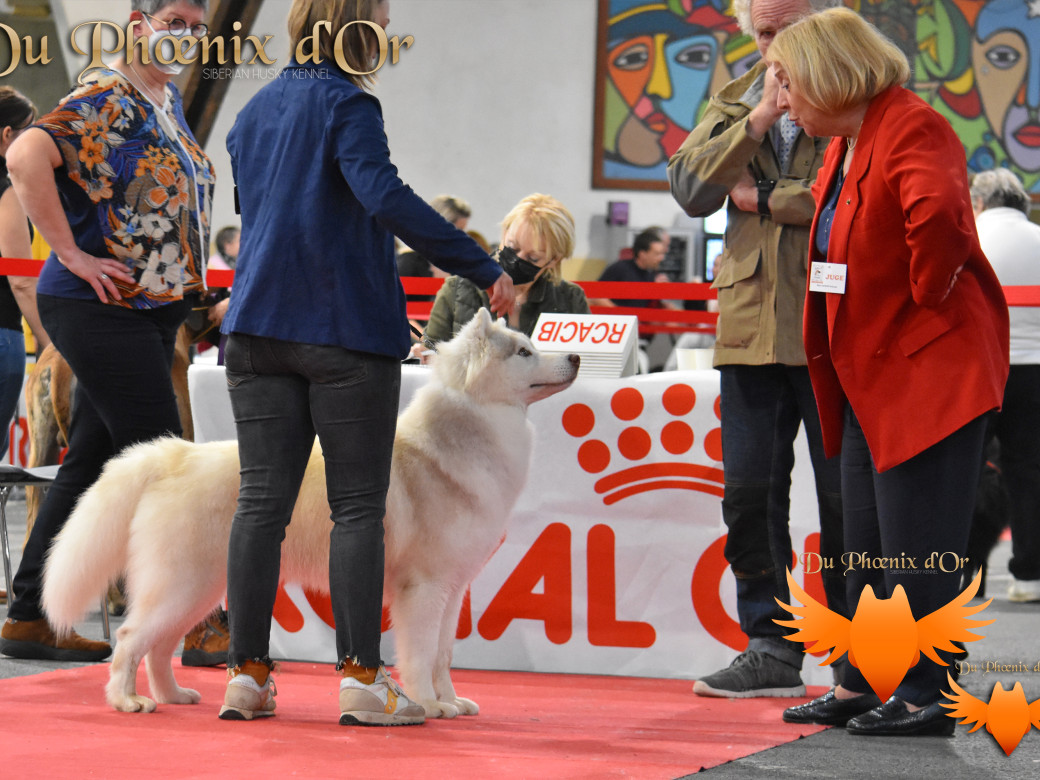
829, 710
893, 719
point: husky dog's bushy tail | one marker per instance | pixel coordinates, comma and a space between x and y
87, 557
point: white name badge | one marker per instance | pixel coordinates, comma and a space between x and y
827, 277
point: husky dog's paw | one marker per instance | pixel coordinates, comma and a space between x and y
182, 696
133, 703
466, 706
440, 709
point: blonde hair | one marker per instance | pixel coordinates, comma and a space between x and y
552, 226
837, 59
358, 39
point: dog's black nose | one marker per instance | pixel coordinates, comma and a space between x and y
575, 359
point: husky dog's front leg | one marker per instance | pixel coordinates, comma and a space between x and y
416, 612
442, 683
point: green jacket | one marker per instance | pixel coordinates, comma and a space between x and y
458, 301
761, 279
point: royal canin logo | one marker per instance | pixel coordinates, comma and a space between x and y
635, 443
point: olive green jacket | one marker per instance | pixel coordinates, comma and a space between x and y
458, 301
761, 279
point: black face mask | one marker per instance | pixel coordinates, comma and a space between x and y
520, 271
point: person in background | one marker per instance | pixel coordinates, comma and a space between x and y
226, 242
316, 334
908, 347
17, 293
648, 252
748, 155
1011, 243
116, 287
537, 236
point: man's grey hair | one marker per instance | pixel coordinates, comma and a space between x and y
1000, 188
155, 6
742, 11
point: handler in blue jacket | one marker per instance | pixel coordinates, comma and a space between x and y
317, 330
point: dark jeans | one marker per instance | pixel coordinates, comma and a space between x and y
121, 359
282, 393
762, 409
1017, 428
920, 507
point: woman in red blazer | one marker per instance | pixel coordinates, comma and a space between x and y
906, 332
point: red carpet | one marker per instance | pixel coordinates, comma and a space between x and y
57, 724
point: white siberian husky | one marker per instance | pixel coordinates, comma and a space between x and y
160, 515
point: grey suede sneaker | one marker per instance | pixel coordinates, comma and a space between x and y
752, 674
382, 703
245, 698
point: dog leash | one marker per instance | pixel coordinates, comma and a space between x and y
425, 340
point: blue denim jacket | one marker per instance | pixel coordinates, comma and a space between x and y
320, 203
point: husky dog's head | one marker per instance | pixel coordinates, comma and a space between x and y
494, 364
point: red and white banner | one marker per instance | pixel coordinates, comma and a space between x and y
613, 560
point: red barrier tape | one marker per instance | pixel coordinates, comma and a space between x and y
654, 320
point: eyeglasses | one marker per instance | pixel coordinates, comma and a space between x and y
178, 26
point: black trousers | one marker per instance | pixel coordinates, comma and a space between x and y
920, 508
124, 395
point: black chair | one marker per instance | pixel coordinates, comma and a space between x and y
41, 476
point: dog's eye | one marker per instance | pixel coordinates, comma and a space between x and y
524, 352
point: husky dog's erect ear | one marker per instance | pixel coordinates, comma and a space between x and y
460, 360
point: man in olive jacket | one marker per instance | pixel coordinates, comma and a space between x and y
745, 149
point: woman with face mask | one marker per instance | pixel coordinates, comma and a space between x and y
117, 185
537, 236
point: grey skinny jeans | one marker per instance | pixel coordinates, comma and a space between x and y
282, 394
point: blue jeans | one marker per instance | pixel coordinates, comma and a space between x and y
124, 395
920, 507
12, 374
762, 410
282, 394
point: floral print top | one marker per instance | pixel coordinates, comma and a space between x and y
135, 186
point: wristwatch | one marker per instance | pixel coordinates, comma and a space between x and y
765, 189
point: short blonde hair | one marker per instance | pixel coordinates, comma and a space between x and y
550, 222
358, 39
837, 59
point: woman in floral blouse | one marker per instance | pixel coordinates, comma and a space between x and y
120, 189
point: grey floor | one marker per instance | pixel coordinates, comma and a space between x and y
1013, 639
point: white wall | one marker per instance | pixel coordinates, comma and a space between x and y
492, 102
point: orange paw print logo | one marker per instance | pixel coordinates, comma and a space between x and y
636, 445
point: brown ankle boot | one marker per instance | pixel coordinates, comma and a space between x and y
207, 643
36, 639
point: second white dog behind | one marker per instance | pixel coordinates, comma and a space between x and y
160, 515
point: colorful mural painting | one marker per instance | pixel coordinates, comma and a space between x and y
659, 61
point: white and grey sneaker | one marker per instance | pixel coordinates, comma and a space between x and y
382, 703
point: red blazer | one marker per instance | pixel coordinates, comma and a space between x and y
918, 343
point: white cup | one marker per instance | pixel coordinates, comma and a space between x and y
694, 359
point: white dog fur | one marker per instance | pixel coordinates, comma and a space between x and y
161, 514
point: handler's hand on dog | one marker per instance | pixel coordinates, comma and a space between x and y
503, 296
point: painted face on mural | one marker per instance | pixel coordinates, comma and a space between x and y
663, 81
1006, 60
661, 66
